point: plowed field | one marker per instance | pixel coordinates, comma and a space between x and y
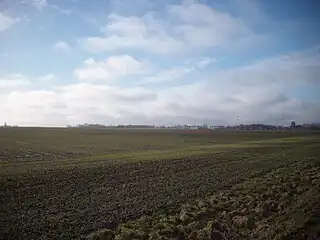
153, 184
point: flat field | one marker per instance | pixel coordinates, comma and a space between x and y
158, 184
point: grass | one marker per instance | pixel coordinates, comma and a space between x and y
152, 184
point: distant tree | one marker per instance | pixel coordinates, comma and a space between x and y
293, 124
314, 127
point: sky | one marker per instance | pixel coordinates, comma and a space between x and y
67, 62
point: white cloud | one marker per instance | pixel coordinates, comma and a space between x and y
199, 63
85, 102
260, 91
186, 27
167, 75
72, 104
218, 99
61, 45
206, 27
6, 21
111, 69
47, 78
61, 10
43, 4
203, 63
133, 32
295, 68
39, 4
180, 72
13, 81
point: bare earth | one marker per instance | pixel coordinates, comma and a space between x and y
152, 184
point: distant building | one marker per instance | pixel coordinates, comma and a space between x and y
293, 124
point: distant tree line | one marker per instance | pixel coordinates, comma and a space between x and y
86, 125
272, 127
313, 126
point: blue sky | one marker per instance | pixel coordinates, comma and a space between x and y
159, 62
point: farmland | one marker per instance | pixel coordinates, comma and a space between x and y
152, 184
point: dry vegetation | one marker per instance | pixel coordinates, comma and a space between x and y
158, 184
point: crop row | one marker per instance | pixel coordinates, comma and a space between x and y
276, 205
63, 204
